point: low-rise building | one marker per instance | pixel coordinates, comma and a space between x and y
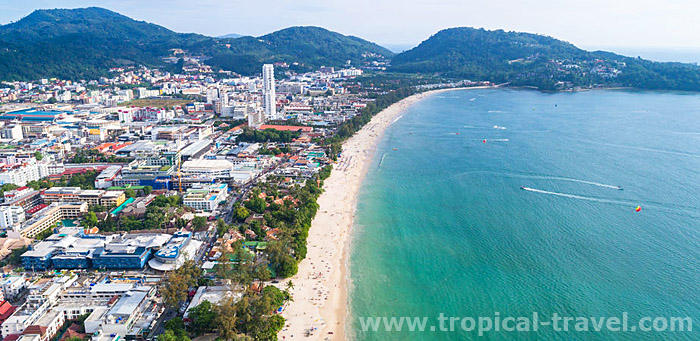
13, 286
50, 215
205, 198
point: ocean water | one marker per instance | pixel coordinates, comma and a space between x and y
443, 225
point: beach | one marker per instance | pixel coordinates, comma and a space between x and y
320, 287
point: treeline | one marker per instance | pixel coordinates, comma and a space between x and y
292, 217
95, 156
251, 317
84, 181
350, 127
267, 135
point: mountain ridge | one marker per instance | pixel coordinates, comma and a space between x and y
85, 42
537, 60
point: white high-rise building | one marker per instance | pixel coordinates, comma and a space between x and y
11, 216
269, 99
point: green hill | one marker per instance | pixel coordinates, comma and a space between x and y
85, 42
536, 60
311, 46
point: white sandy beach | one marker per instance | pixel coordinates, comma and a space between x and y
320, 286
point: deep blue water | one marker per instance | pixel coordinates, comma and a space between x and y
443, 225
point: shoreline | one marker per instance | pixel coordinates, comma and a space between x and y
320, 291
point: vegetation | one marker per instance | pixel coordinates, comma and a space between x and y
14, 258
267, 135
203, 318
7, 187
167, 103
95, 156
537, 60
84, 181
44, 234
43, 44
157, 216
349, 127
175, 285
250, 317
199, 223
174, 331
273, 151
309, 46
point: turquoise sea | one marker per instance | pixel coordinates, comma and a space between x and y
443, 225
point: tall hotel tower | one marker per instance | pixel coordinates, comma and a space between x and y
269, 101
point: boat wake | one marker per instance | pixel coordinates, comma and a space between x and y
574, 196
496, 112
680, 210
499, 127
549, 177
396, 119
593, 183
381, 161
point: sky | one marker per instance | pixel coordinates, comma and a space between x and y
590, 24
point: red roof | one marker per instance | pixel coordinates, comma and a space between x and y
35, 330
6, 309
36, 208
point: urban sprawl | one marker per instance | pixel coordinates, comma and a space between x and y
155, 205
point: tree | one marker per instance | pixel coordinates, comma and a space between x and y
256, 204
74, 338
280, 260
170, 335
241, 213
52, 100
7, 187
90, 219
202, 318
15, 258
175, 324
130, 193
174, 285
147, 190
38, 155
199, 223
226, 318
